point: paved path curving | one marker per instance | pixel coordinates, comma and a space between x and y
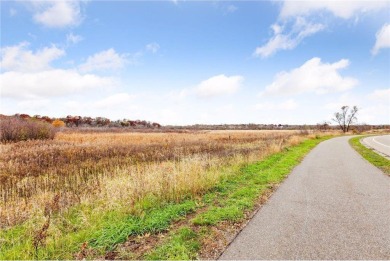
334, 205
380, 144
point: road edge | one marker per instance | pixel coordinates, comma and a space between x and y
370, 154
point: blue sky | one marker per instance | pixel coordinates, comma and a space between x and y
187, 62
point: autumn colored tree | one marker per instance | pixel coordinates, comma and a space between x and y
58, 123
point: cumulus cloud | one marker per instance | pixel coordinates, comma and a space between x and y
152, 47
55, 82
299, 19
29, 74
382, 39
219, 85
284, 39
57, 14
20, 58
312, 76
285, 105
342, 9
108, 59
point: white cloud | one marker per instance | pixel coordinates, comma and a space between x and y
60, 13
373, 106
108, 59
342, 9
73, 38
346, 99
382, 39
48, 83
285, 106
33, 105
282, 40
19, 58
301, 16
114, 106
152, 47
113, 100
376, 109
29, 74
312, 76
380, 95
179, 95
219, 85
375, 114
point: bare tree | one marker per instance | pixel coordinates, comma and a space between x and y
345, 117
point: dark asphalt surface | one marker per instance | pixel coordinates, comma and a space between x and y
380, 144
334, 205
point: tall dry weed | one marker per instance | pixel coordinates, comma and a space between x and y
121, 169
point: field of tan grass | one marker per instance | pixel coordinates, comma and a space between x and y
120, 169
54, 194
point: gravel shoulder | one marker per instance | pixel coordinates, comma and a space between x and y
334, 205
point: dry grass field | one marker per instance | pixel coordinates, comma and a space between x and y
41, 181
121, 168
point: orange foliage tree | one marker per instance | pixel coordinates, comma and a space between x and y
58, 123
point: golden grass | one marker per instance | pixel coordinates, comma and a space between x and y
119, 170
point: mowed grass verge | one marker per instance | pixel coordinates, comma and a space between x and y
228, 201
371, 156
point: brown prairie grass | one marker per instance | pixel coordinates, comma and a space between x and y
121, 170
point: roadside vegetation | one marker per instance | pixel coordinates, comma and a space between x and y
371, 156
226, 206
91, 195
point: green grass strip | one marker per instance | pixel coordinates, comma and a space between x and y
371, 156
106, 231
229, 200
156, 220
183, 245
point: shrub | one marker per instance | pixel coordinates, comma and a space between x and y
58, 123
14, 129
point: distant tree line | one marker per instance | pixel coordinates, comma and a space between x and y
79, 121
103, 123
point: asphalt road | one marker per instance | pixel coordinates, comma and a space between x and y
334, 205
380, 144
